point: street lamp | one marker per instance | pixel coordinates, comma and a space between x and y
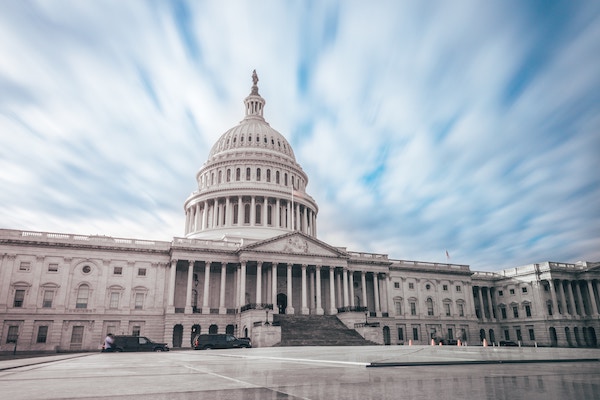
366, 315
267, 320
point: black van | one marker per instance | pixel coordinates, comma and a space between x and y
220, 341
137, 343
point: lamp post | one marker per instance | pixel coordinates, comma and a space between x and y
366, 315
267, 320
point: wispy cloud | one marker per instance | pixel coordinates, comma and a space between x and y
422, 126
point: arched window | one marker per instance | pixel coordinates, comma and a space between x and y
258, 174
277, 177
268, 175
258, 213
269, 217
398, 305
246, 213
429, 306
235, 213
285, 179
228, 175
220, 176
212, 178
83, 295
247, 174
237, 174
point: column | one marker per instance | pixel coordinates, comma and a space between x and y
363, 282
222, 308
205, 305
345, 284
259, 282
351, 286
305, 220
480, 297
290, 307
240, 210
332, 308
227, 211
243, 284
188, 295
590, 286
172, 276
253, 211
489, 297
304, 303
197, 219
318, 283
215, 212
561, 296
376, 290
554, 299
338, 288
205, 214
384, 302
572, 298
265, 212
274, 287
311, 291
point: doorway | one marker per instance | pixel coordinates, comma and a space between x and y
281, 303
177, 335
386, 335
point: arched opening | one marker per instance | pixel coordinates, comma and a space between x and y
195, 332
177, 335
592, 335
245, 332
386, 335
281, 303
492, 336
481, 334
553, 338
568, 336
229, 329
213, 329
577, 336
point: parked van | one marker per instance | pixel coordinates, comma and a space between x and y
137, 343
220, 341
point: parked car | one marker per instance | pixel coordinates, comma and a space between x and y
220, 341
450, 342
508, 343
137, 343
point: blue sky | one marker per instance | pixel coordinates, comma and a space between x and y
466, 126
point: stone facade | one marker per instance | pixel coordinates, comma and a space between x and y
250, 251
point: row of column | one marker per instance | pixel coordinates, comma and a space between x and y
211, 214
569, 298
341, 288
487, 306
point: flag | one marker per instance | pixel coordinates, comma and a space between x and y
447, 255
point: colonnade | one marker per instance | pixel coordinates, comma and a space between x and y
265, 211
574, 297
322, 289
484, 297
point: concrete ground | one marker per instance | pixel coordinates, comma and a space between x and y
365, 372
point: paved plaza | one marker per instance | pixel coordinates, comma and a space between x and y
367, 372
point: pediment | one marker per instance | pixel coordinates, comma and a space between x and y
295, 243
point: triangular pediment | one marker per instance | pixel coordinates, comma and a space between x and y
295, 243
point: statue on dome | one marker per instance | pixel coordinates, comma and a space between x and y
254, 78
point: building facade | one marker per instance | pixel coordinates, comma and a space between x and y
251, 250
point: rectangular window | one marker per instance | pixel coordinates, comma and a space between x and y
139, 301
445, 288
450, 333
512, 291
531, 334
549, 308
48, 297
83, 294
142, 272
447, 309
506, 335
519, 336
503, 312
500, 293
415, 333
77, 337
400, 334
396, 285
13, 334
398, 305
458, 288
52, 267
118, 271
461, 310
515, 312
42, 334
413, 308
528, 310
136, 330
524, 289
19, 298
114, 300
411, 285
24, 266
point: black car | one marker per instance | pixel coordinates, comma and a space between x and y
220, 341
137, 343
508, 343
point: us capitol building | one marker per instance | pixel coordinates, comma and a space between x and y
250, 251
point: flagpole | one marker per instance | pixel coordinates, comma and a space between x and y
293, 211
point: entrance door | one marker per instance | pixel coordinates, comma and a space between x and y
281, 303
177, 335
386, 335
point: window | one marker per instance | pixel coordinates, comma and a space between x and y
268, 175
77, 337
52, 267
142, 272
528, 310
515, 311
396, 285
228, 175
500, 293
549, 304
220, 178
413, 308
445, 288
531, 334
238, 174
415, 333
246, 213
428, 286
398, 305
503, 312
19, 298
114, 300
269, 215
139, 301
400, 333
285, 181
524, 290
512, 291
247, 174
506, 334
546, 287
447, 309
458, 288
236, 207
429, 306
411, 285
461, 310
42, 334
136, 330
276, 176
48, 297
519, 336
258, 213
13, 334
118, 271
258, 174
86, 269
83, 294
24, 266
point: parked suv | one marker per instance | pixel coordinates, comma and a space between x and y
137, 343
220, 341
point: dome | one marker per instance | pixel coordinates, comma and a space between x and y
253, 132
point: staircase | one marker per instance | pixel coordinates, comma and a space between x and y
317, 330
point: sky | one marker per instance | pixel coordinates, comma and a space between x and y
424, 127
